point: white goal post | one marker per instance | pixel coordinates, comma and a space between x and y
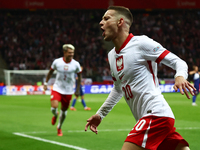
25, 77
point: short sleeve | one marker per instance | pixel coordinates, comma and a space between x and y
53, 65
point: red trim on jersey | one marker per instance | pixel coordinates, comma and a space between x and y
121, 77
160, 58
151, 70
114, 79
125, 42
65, 61
79, 72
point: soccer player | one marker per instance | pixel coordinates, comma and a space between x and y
66, 68
82, 98
195, 73
133, 63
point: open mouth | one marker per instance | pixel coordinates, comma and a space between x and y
103, 34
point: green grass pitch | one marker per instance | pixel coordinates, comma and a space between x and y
25, 123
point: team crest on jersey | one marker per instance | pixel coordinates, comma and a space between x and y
66, 67
156, 48
120, 63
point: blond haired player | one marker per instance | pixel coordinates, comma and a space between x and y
133, 62
63, 88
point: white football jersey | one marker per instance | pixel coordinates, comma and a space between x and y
134, 71
65, 77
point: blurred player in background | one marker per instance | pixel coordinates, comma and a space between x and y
133, 63
195, 75
82, 97
66, 68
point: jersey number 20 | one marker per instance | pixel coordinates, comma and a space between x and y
127, 91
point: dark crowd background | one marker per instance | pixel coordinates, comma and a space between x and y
31, 40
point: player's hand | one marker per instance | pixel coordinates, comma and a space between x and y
45, 87
93, 122
182, 84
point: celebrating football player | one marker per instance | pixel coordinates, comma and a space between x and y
133, 63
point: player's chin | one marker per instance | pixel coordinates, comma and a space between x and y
107, 38
71, 57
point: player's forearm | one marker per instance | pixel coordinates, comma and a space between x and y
181, 69
47, 78
177, 64
49, 75
111, 101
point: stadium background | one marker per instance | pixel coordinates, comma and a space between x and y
31, 35
33, 31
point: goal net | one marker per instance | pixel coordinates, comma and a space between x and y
27, 77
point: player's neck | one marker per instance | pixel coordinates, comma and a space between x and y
120, 40
67, 60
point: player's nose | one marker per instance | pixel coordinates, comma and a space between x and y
101, 23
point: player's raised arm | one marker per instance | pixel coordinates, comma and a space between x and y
181, 68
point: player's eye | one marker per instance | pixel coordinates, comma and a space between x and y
106, 18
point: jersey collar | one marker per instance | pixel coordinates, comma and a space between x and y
125, 42
65, 61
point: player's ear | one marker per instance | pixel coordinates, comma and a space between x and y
120, 22
64, 52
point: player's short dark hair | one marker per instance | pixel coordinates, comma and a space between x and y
124, 11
